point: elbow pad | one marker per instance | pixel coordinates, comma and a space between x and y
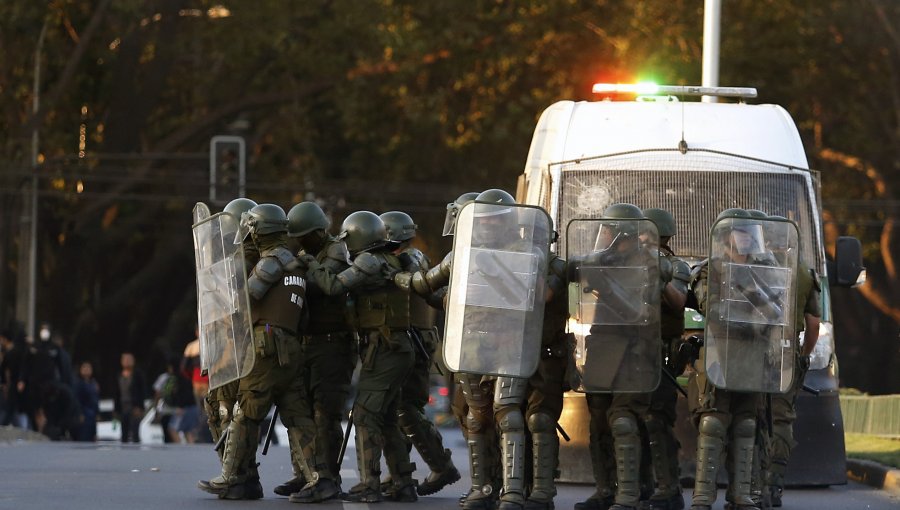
266, 272
438, 276
556, 276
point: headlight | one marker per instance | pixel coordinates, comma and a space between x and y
821, 355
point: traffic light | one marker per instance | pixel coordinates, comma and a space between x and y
227, 168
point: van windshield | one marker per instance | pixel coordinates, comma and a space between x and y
694, 187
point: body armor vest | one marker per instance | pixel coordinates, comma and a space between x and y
380, 303
327, 314
283, 303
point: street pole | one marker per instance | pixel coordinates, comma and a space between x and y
712, 28
32, 256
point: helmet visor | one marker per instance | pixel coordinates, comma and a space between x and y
243, 229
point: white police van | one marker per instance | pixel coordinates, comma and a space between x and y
694, 159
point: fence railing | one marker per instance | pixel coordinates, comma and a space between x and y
876, 415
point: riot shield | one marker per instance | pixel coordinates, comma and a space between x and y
750, 335
223, 305
201, 213
614, 304
495, 307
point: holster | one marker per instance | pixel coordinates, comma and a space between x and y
370, 343
281, 349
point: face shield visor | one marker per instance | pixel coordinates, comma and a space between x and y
450, 219
747, 238
243, 229
493, 225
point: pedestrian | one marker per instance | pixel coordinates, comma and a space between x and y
129, 402
87, 391
13, 348
190, 366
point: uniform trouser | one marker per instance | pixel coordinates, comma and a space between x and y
411, 414
385, 366
543, 408
458, 405
329, 361
723, 418
616, 443
663, 446
269, 382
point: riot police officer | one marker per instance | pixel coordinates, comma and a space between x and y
660, 418
383, 322
277, 289
328, 355
401, 230
725, 389
621, 357
220, 401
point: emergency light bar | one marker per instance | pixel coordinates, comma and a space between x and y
675, 90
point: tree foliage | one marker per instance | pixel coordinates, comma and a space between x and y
383, 104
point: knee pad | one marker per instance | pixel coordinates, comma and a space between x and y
541, 422
624, 426
512, 421
408, 415
712, 426
745, 428
476, 422
237, 415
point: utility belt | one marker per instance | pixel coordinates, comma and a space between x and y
270, 340
370, 341
337, 336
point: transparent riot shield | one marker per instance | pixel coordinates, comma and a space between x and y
751, 335
201, 213
223, 305
495, 308
614, 304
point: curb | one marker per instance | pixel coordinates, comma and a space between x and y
874, 474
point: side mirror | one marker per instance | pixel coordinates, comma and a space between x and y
847, 269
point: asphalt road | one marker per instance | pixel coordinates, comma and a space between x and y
44, 475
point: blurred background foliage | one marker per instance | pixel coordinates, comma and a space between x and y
390, 104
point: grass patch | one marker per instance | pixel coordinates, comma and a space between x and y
879, 449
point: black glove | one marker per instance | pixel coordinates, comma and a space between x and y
803, 362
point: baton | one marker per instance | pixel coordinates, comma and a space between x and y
221, 441
562, 432
343, 449
270, 431
674, 381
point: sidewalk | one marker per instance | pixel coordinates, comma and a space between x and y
874, 474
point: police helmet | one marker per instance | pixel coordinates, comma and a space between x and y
363, 231
306, 217
400, 226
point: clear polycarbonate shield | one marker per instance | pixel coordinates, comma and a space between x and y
201, 213
751, 333
223, 305
495, 308
614, 304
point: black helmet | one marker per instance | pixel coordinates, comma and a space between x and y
400, 226
756, 213
306, 217
363, 231
453, 210
665, 222
265, 219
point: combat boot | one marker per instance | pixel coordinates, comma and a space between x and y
291, 486
481, 495
597, 501
322, 489
236, 459
545, 446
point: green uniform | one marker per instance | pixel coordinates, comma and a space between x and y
660, 418
723, 418
775, 449
277, 303
329, 358
382, 316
